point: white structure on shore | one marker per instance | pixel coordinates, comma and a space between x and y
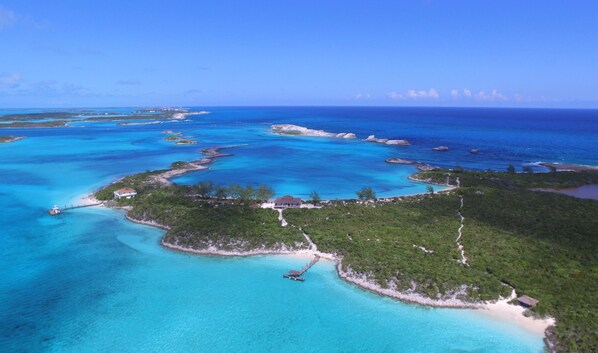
125, 192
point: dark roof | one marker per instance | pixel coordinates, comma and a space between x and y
294, 273
288, 199
529, 301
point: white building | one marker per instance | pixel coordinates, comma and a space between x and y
125, 192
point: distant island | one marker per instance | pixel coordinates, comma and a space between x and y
373, 138
296, 130
8, 139
62, 119
467, 247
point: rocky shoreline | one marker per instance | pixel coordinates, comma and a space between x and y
569, 167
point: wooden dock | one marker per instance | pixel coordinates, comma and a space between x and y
296, 275
56, 210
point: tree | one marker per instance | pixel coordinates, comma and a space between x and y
234, 191
458, 169
511, 169
221, 192
528, 169
430, 189
264, 193
205, 188
247, 193
366, 193
315, 198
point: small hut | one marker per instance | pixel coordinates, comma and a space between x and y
287, 202
527, 302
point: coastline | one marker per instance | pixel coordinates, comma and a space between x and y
499, 309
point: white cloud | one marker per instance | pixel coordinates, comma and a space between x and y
492, 96
395, 96
7, 17
466, 92
10, 80
362, 96
413, 94
454, 93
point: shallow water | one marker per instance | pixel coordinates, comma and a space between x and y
89, 281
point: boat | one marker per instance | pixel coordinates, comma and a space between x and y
54, 211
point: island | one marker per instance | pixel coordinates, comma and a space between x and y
9, 139
62, 119
178, 138
399, 161
373, 138
476, 245
296, 130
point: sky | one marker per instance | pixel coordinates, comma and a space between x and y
326, 52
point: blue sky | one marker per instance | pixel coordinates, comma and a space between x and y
426, 53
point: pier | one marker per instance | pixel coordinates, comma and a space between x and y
57, 210
296, 275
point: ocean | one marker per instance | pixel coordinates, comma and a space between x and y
90, 281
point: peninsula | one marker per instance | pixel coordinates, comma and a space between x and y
8, 139
460, 248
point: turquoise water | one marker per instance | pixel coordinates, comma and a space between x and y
89, 281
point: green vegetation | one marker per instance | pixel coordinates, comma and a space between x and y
367, 193
141, 182
39, 116
290, 132
29, 125
198, 222
511, 169
315, 198
429, 189
6, 139
542, 244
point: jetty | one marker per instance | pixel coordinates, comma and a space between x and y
296, 275
57, 210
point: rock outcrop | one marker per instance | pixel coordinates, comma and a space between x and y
441, 148
372, 138
296, 130
398, 161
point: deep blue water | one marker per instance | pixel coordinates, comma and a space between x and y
89, 281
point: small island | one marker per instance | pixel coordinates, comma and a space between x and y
178, 138
399, 161
9, 139
373, 138
296, 130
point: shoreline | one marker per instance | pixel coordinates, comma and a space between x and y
500, 309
